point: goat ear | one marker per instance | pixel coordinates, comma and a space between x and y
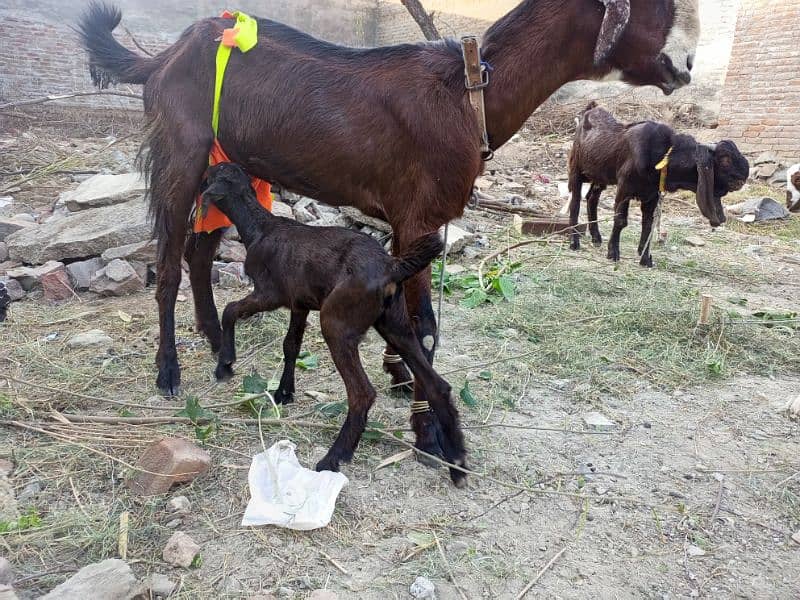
618, 13
705, 180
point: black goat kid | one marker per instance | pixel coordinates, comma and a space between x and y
607, 152
354, 284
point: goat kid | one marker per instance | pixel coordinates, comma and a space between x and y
607, 152
793, 188
354, 284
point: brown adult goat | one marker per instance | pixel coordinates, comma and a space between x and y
388, 130
346, 276
607, 152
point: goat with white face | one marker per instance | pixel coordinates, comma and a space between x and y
793, 188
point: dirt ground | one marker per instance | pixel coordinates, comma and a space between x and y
693, 492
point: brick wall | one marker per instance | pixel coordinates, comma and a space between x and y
39, 53
761, 99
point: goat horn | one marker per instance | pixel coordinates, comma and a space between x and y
618, 13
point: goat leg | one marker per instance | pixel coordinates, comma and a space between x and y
592, 200
199, 253
648, 213
620, 223
291, 348
247, 306
575, 186
169, 278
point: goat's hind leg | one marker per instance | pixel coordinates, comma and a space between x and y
620, 222
395, 327
649, 206
199, 253
575, 187
291, 348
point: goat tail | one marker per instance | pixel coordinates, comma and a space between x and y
416, 257
109, 61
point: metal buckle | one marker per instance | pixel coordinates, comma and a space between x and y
484, 80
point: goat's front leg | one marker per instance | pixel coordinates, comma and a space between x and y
199, 253
343, 344
649, 206
620, 222
246, 307
291, 348
575, 187
592, 200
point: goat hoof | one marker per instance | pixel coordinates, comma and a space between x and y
327, 464
223, 372
283, 397
459, 478
430, 439
613, 255
575, 246
169, 380
647, 262
597, 241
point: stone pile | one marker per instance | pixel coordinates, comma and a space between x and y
97, 239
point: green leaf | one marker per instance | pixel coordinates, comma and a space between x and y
331, 409
306, 360
197, 562
373, 435
506, 288
204, 432
193, 411
474, 298
419, 539
485, 375
737, 300
467, 397
254, 384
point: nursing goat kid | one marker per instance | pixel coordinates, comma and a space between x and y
389, 130
354, 284
793, 188
607, 152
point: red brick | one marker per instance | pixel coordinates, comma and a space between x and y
56, 285
165, 463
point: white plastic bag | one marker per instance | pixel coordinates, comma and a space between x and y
284, 493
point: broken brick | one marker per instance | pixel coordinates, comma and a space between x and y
165, 463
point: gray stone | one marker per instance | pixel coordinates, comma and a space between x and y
329, 219
6, 206
232, 276
281, 209
180, 550
695, 241
759, 209
695, 551
323, 595
117, 278
179, 504
14, 289
423, 589
305, 210
8, 501
6, 572
111, 579
3, 252
24, 217
104, 190
457, 238
144, 252
232, 251
30, 491
7, 593
93, 337
8, 226
31, 277
87, 233
81, 272
767, 170
598, 422
159, 585
357, 216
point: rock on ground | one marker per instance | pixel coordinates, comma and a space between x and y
87, 233
457, 238
8, 502
165, 463
56, 285
104, 190
7, 593
6, 572
9, 226
158, 585
423, 589
323, 595
281, 209
110, 579
180, 550
94, 337
759, 209
140, 251
357, 216
81, 272
30, 278
3, 252
232, 251
232, 276
117, 278
179, 504
598, 422
14, 289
